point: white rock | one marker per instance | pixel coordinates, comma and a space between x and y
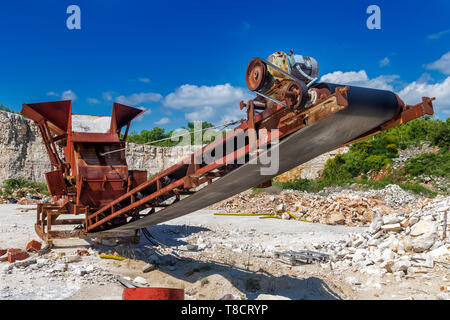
439, 252
376, 224
60, 267
391, 219
264, 296
423, 227
72, 258
42, 261
392, 227
90, 268
140, 280
387, 255
353, 280
401, 265
424, 242
148, 267
359, 255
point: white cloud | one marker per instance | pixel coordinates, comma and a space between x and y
384, 62
139, 98
162, 121
145, 80
436, 36
411, 93
66, 95
442, 65
93, 101
107, 96
209, 103
69, 95
146, 112
360, 78
414, 92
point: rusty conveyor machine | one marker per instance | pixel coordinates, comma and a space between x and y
293, 119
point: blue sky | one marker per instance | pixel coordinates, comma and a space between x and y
186, 60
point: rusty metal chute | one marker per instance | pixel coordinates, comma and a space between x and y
309, 118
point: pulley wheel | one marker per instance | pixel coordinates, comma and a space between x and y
256, 74
296, 95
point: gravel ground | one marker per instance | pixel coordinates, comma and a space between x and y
207, 255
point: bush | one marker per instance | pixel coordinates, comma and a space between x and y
429, 164
10, 185
373, 153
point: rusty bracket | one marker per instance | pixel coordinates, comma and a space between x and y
341, 96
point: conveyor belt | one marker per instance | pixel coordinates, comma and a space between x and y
367, 110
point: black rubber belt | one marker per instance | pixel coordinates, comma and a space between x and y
368, 108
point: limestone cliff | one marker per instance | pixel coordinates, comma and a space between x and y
23, 154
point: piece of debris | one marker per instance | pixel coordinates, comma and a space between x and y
109, 256
148, 267
33, 246
140, 280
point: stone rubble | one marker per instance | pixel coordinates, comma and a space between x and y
349, 207
54, 268
405, 244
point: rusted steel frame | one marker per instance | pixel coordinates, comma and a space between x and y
53, 146
218, 163
53, 159
134, 205
172, 169
236, 155
60, 137
94, 137
198, 172
139, 188
126, 131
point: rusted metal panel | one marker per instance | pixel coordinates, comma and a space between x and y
55, 183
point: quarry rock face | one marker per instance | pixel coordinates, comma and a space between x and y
22, 151
23, 154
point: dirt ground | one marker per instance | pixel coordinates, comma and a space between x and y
208, 256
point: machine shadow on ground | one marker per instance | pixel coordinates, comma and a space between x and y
251, 283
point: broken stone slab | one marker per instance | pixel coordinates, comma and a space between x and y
439, 252
79, 271
24, 263
230, 296
376, 224
401, 265
336, 218
396, 227
42, 261
140, 280
192, 247
60, 267
424, 242
423, 227
90, 268
391, 219
353, 280
264, 296
148, 267
72, 258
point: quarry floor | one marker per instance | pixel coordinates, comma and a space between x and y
234, 257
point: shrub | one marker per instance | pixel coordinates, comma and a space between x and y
10, 185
